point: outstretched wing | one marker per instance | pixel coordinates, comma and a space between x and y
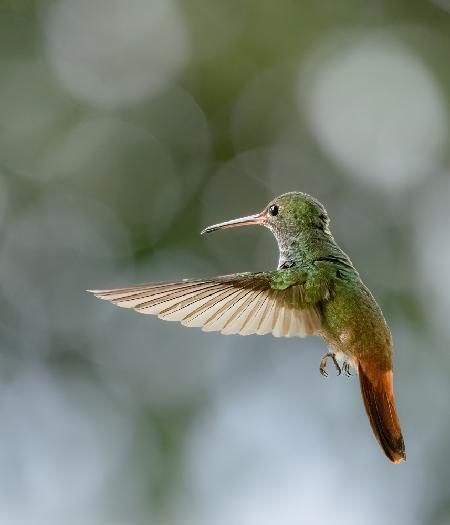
242, 304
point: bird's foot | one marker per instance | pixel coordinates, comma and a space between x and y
323, 364
346, 368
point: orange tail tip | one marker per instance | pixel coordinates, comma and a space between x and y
378, 395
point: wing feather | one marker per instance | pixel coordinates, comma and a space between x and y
235, 304
179, 308
215, 311
215, 319
236, 320
250, 324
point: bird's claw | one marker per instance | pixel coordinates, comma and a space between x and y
347, 369
323, 364
323, 371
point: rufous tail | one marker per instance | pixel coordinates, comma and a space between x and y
377, 390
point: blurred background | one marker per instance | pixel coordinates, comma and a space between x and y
126, 127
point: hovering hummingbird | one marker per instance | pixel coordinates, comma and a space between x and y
315, 291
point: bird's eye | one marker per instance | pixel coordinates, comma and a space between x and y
273, 210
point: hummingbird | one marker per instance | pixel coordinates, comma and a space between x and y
315, 290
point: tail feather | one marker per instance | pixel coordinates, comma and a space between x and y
378, 394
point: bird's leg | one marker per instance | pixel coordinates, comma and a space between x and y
323, 364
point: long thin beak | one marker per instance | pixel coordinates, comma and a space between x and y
243, 221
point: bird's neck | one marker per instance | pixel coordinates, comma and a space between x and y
307, 247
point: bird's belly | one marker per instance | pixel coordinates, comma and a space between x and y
354, 325
340, 345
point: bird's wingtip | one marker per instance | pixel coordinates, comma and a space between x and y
97, 293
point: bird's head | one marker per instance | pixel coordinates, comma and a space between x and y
288, 215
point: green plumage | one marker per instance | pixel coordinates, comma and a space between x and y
352, 321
